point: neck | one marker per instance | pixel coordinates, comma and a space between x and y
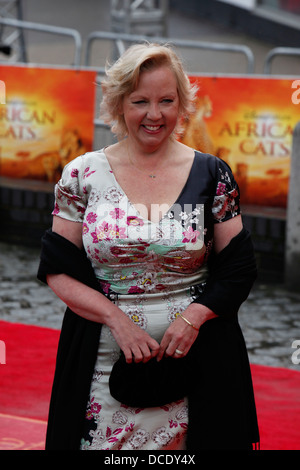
151, 164
150, 156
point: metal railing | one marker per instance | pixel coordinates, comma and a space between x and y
139, 16
44, 28
12, 41
120, 39
120, 42
279, 51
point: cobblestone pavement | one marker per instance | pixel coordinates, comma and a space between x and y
270, 318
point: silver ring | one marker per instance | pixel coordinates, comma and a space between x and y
178, 351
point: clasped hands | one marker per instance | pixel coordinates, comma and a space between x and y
138, 346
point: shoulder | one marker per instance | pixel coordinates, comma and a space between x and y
211, 161
214, 166
93, 157
81, 165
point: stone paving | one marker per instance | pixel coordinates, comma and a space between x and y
270, 318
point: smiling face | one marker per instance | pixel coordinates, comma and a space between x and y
151, 110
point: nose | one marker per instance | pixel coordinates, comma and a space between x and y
154, 112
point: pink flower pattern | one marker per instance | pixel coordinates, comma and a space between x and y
91, 217
116, 242
106, 234
190, 235
117, 213
107, 231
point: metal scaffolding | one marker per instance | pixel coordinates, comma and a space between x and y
148, 17
12, 41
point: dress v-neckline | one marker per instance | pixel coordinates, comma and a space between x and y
133, 205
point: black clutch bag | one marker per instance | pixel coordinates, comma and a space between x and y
149, 384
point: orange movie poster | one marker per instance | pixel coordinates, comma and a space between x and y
248, 122
46, 121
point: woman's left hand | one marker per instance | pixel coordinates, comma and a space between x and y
180, 336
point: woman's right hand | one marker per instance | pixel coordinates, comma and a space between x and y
136, 344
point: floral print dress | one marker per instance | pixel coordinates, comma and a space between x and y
151, 266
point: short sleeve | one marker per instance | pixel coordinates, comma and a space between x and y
226, 204
70, 195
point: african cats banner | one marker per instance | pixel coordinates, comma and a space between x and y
248, 122
46, 121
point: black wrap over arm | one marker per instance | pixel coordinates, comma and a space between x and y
59, 255
232, 273
215, 374
77, 348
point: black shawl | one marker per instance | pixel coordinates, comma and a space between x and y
222, 413
77, 348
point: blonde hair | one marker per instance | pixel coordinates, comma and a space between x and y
123, 76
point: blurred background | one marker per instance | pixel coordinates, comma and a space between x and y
249, 47
258, 24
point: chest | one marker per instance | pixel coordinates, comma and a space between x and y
153, 196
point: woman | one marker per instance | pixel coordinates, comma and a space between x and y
149, 212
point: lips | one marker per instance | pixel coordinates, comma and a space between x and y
152, 128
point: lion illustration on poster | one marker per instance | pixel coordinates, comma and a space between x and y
195, 132
47, 166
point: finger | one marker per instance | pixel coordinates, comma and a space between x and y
178, 352
177, 347
161, 352
164, 345
171, 350
154, 350
128, 355
167, 351
154, 353
137, 354
145, 351
132, 354
150, 350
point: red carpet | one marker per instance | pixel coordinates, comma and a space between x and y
26, 378
277, 395
21, 433
25, 384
